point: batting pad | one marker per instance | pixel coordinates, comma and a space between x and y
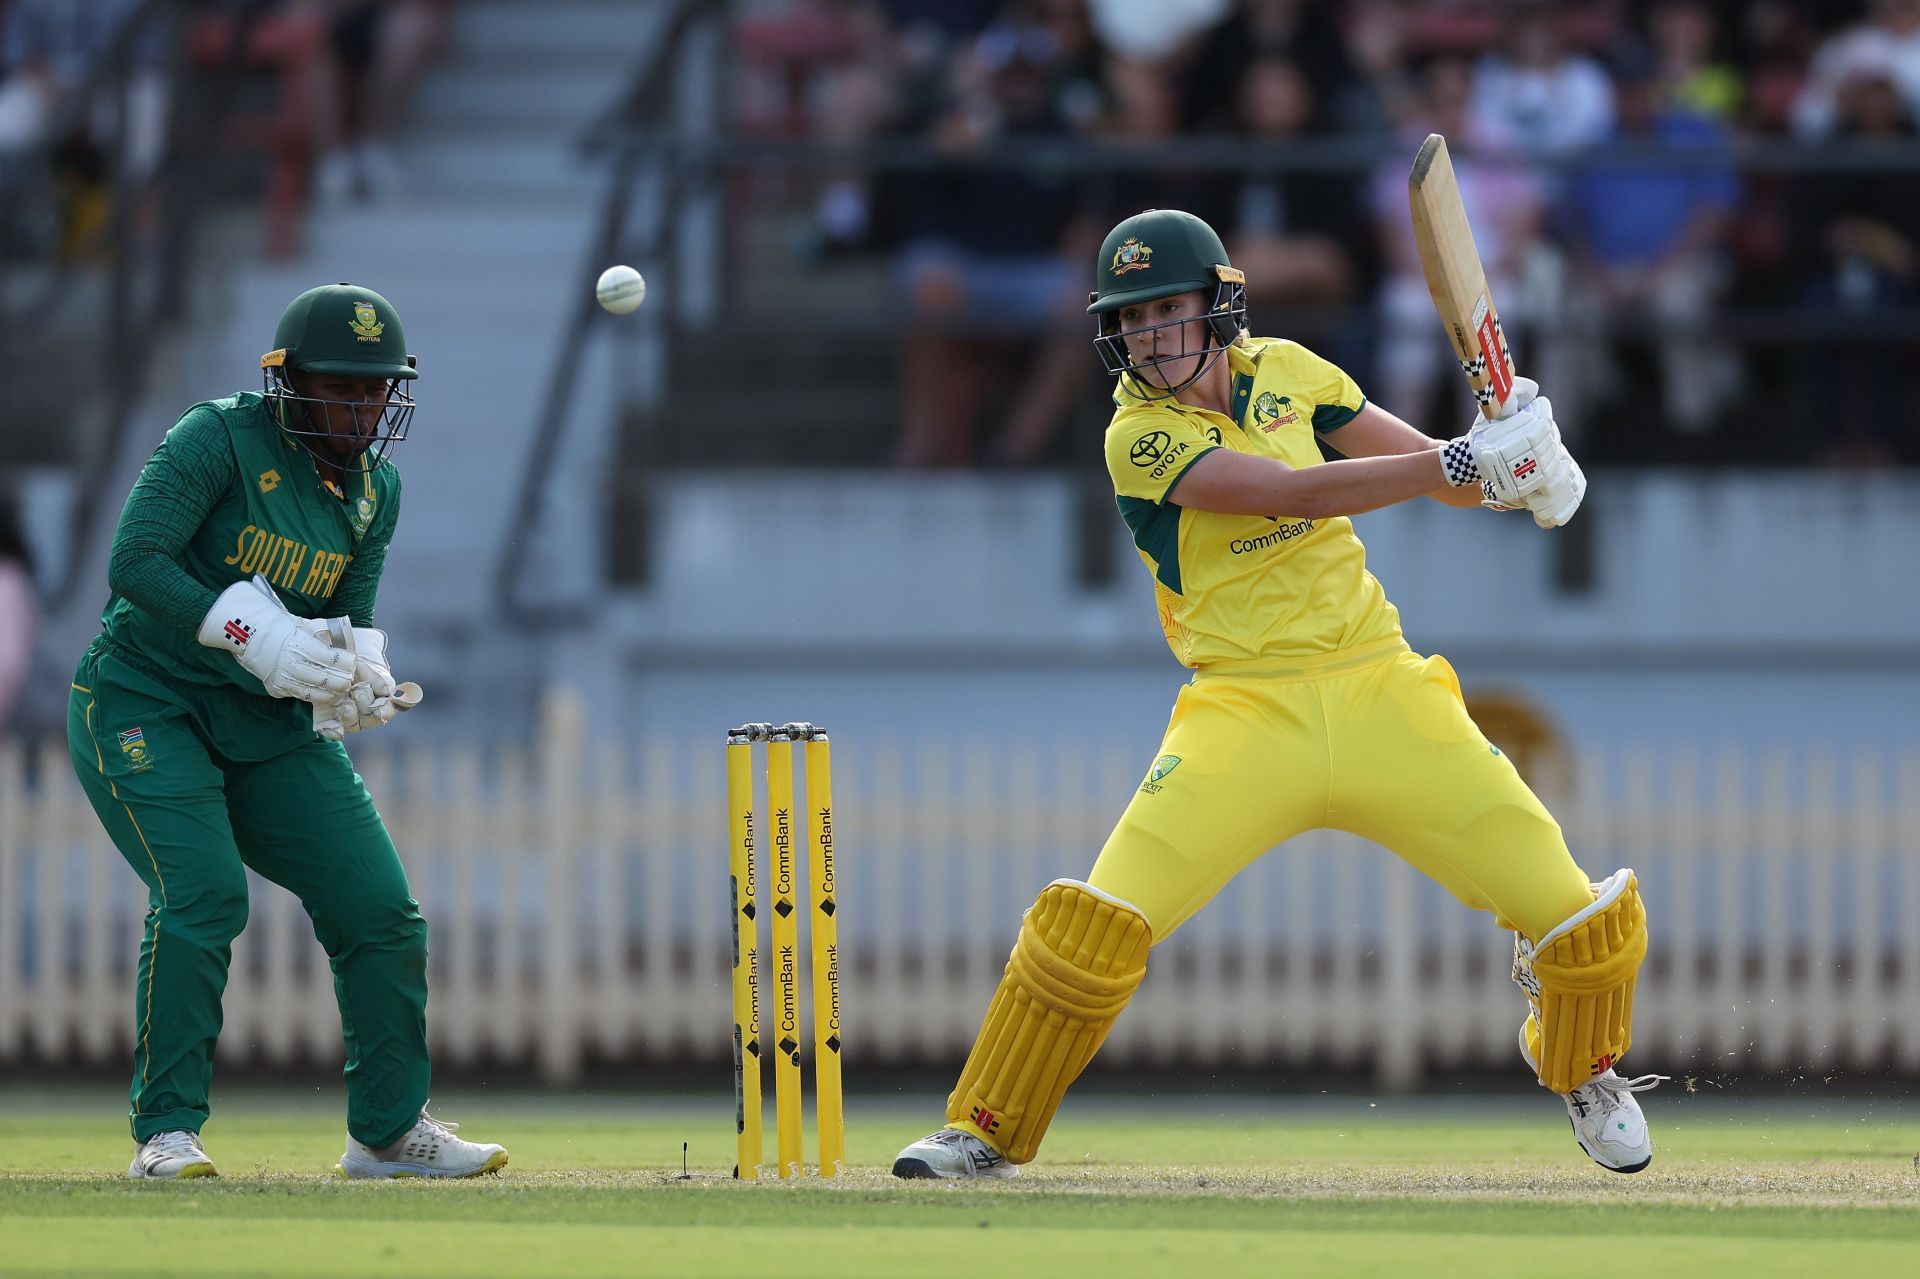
1580, 978
1080, 956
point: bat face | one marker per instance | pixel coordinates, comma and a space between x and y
1456, 279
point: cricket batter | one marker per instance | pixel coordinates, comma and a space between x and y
206, 723
1306, 708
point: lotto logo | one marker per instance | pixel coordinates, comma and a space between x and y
237, 632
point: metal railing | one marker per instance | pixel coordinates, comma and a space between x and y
633, 226
110, 297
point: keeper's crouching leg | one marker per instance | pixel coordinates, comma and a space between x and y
1080, 956
1579, 978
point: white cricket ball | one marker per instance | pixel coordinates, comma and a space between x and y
621, 289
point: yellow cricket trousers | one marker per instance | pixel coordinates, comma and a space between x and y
1384, 749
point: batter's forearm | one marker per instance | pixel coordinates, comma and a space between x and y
1239, 484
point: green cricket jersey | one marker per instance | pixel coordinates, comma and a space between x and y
225, 496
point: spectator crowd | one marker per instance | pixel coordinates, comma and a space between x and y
1682, 303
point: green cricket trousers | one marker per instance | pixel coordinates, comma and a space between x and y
196, 784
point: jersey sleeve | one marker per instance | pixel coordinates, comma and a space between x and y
1147, 453
1337, 398
177, 487
360, 581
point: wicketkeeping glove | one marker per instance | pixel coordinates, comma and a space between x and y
370, 702
280, 650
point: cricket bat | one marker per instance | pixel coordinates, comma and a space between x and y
1456, 279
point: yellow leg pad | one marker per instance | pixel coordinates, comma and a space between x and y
1583, 974
1080, 956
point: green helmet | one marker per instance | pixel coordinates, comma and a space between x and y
341, 330
1158, 254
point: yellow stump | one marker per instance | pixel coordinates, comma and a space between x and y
746, 959
826, 959
786, 1030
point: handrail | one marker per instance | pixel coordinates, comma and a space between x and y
109, 66
644, 105
140, 277
1229, 153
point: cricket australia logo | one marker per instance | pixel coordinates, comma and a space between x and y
1161, 767
366, 323
1131, 256
1270, 411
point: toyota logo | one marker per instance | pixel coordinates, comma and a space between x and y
1148, 449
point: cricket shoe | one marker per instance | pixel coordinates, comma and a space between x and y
952, 1153
1606, 1119
429, 1149
172, 1155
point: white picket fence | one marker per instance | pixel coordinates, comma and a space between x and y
577, 896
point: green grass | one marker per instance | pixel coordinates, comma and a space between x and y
1334, 1186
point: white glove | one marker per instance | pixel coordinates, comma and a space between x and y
1513, 453
282, 651
1555, 501
371, 701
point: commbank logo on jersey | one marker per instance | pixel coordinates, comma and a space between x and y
1131, 256
366, 323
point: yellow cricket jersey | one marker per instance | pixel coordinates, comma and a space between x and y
1249, 591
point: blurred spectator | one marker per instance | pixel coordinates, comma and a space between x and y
1153, 30
1774, 42
1298, 235
988, 257
1887, 43
1294, 31
1534, 92
375, 53
1646, 243
19, 613
1854, 237
48, 49
1506, 205
1686, 38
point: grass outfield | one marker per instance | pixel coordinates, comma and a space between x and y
1335, 1186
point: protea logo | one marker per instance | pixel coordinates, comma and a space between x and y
365, 323
1161, 767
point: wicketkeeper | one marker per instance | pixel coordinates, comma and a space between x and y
206, 724
1306, 709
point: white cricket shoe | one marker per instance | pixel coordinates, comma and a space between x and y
172, 1155
952, 1153
428, 1150
1606, 1119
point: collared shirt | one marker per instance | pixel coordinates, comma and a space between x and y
1279, 592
